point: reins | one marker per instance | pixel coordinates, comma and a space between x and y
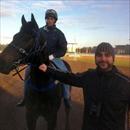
37, 48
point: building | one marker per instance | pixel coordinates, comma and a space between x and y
71, 47
122, 49
119, 49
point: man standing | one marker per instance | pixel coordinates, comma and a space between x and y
107, 98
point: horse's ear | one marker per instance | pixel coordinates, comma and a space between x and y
33, 20
23, 20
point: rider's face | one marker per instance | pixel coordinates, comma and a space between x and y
50, 21
104, 61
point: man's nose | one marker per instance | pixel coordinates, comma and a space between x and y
103, 57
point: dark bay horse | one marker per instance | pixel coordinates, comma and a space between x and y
26, 48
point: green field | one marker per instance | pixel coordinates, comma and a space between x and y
120, 61
83, 62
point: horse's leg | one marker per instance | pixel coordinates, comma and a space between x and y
67, 117
52, 121
31, 119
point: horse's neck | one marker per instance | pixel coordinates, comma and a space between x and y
36, 74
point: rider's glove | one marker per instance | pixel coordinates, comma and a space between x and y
51, 57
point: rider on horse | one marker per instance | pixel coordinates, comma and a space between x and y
56, 46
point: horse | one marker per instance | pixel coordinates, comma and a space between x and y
26, 48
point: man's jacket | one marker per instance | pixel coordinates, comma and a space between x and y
107, 97
55, 39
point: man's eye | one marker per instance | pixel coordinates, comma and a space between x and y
99, 54
107, 55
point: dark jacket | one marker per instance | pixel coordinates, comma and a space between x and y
107, 97
56, 41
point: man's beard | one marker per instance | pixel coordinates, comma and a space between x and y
104, 66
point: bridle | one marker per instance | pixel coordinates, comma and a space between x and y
25, 56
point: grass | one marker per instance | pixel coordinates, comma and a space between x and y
120, 61
123, 61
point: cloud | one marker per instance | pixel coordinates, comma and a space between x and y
4, 12
95, 4
5, 39
78, 21
9, 8
6, 9
12, 7
94, 28
58, 5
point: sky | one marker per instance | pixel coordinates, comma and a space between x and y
86, 22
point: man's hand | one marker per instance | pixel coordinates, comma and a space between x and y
43, 67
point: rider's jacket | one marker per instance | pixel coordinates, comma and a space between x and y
55, 39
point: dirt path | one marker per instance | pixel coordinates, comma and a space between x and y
13, 118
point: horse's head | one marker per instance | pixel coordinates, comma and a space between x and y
23, 43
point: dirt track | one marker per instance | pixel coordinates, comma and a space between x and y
13, 118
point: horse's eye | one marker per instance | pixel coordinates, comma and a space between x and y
15, 36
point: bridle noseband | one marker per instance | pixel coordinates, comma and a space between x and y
25, 56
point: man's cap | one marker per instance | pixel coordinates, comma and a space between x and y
105, 47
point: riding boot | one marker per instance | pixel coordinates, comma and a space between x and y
67, 102
66, 88
66, 95
21, 103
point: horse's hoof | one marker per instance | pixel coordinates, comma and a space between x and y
21, 103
